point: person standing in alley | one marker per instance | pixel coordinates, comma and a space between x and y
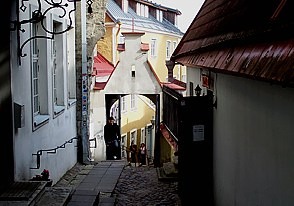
133, 152
112, 139
142, 154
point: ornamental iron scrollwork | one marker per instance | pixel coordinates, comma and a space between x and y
38, 16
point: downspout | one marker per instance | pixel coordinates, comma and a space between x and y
85, 95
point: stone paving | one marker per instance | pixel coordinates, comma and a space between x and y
139, 186
136, 186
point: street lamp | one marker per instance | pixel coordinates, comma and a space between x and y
197, 90
152, 121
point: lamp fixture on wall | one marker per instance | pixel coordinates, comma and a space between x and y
152, 121
197, 90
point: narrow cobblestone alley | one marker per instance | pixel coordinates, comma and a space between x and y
140, 186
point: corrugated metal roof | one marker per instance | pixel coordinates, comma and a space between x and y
248, 38
131, 18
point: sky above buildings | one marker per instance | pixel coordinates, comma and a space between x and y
189, 9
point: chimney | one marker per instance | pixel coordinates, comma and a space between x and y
170, 67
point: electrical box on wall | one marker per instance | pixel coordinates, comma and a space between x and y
19, 115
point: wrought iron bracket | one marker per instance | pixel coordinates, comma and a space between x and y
37, 17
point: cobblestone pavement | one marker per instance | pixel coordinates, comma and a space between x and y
139, 186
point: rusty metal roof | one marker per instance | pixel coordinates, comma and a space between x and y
247, 38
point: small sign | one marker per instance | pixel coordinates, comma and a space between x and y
198, 133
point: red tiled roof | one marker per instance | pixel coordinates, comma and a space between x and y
169, 138
99, 85
174, 86
101, 68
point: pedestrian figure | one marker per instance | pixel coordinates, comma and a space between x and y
112, 139
142, 154
133, 151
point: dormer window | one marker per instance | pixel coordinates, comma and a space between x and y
142, 10
159, 15
125, 5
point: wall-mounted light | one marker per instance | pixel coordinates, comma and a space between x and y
197, 90
152, 121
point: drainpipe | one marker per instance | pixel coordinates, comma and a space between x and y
85, 86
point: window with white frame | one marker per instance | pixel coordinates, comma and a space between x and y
133, 136
57, 70
35, 71
146, 11
153, 47
176, 20
39, 76
143, 134
184, 78
71, 68
168, 49
123, 145
142, 10
159, 15
133, 104
125, 6
123, 104
174, 45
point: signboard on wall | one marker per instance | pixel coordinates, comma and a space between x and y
198, 133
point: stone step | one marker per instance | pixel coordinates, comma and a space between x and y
57, 196
24, 193
168, 172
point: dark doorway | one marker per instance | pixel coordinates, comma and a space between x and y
195, 151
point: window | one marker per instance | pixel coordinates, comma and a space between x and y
123, 104
143, 134
133, 71
133, 101
39, 76
125, 6
176, 20
184, 78
159, 15
153, 47
191, 88
57, 70
146, 11
138, 9
35, 73
174, 45
134, 136
71, 68
168, 49
123, 145
142, 10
